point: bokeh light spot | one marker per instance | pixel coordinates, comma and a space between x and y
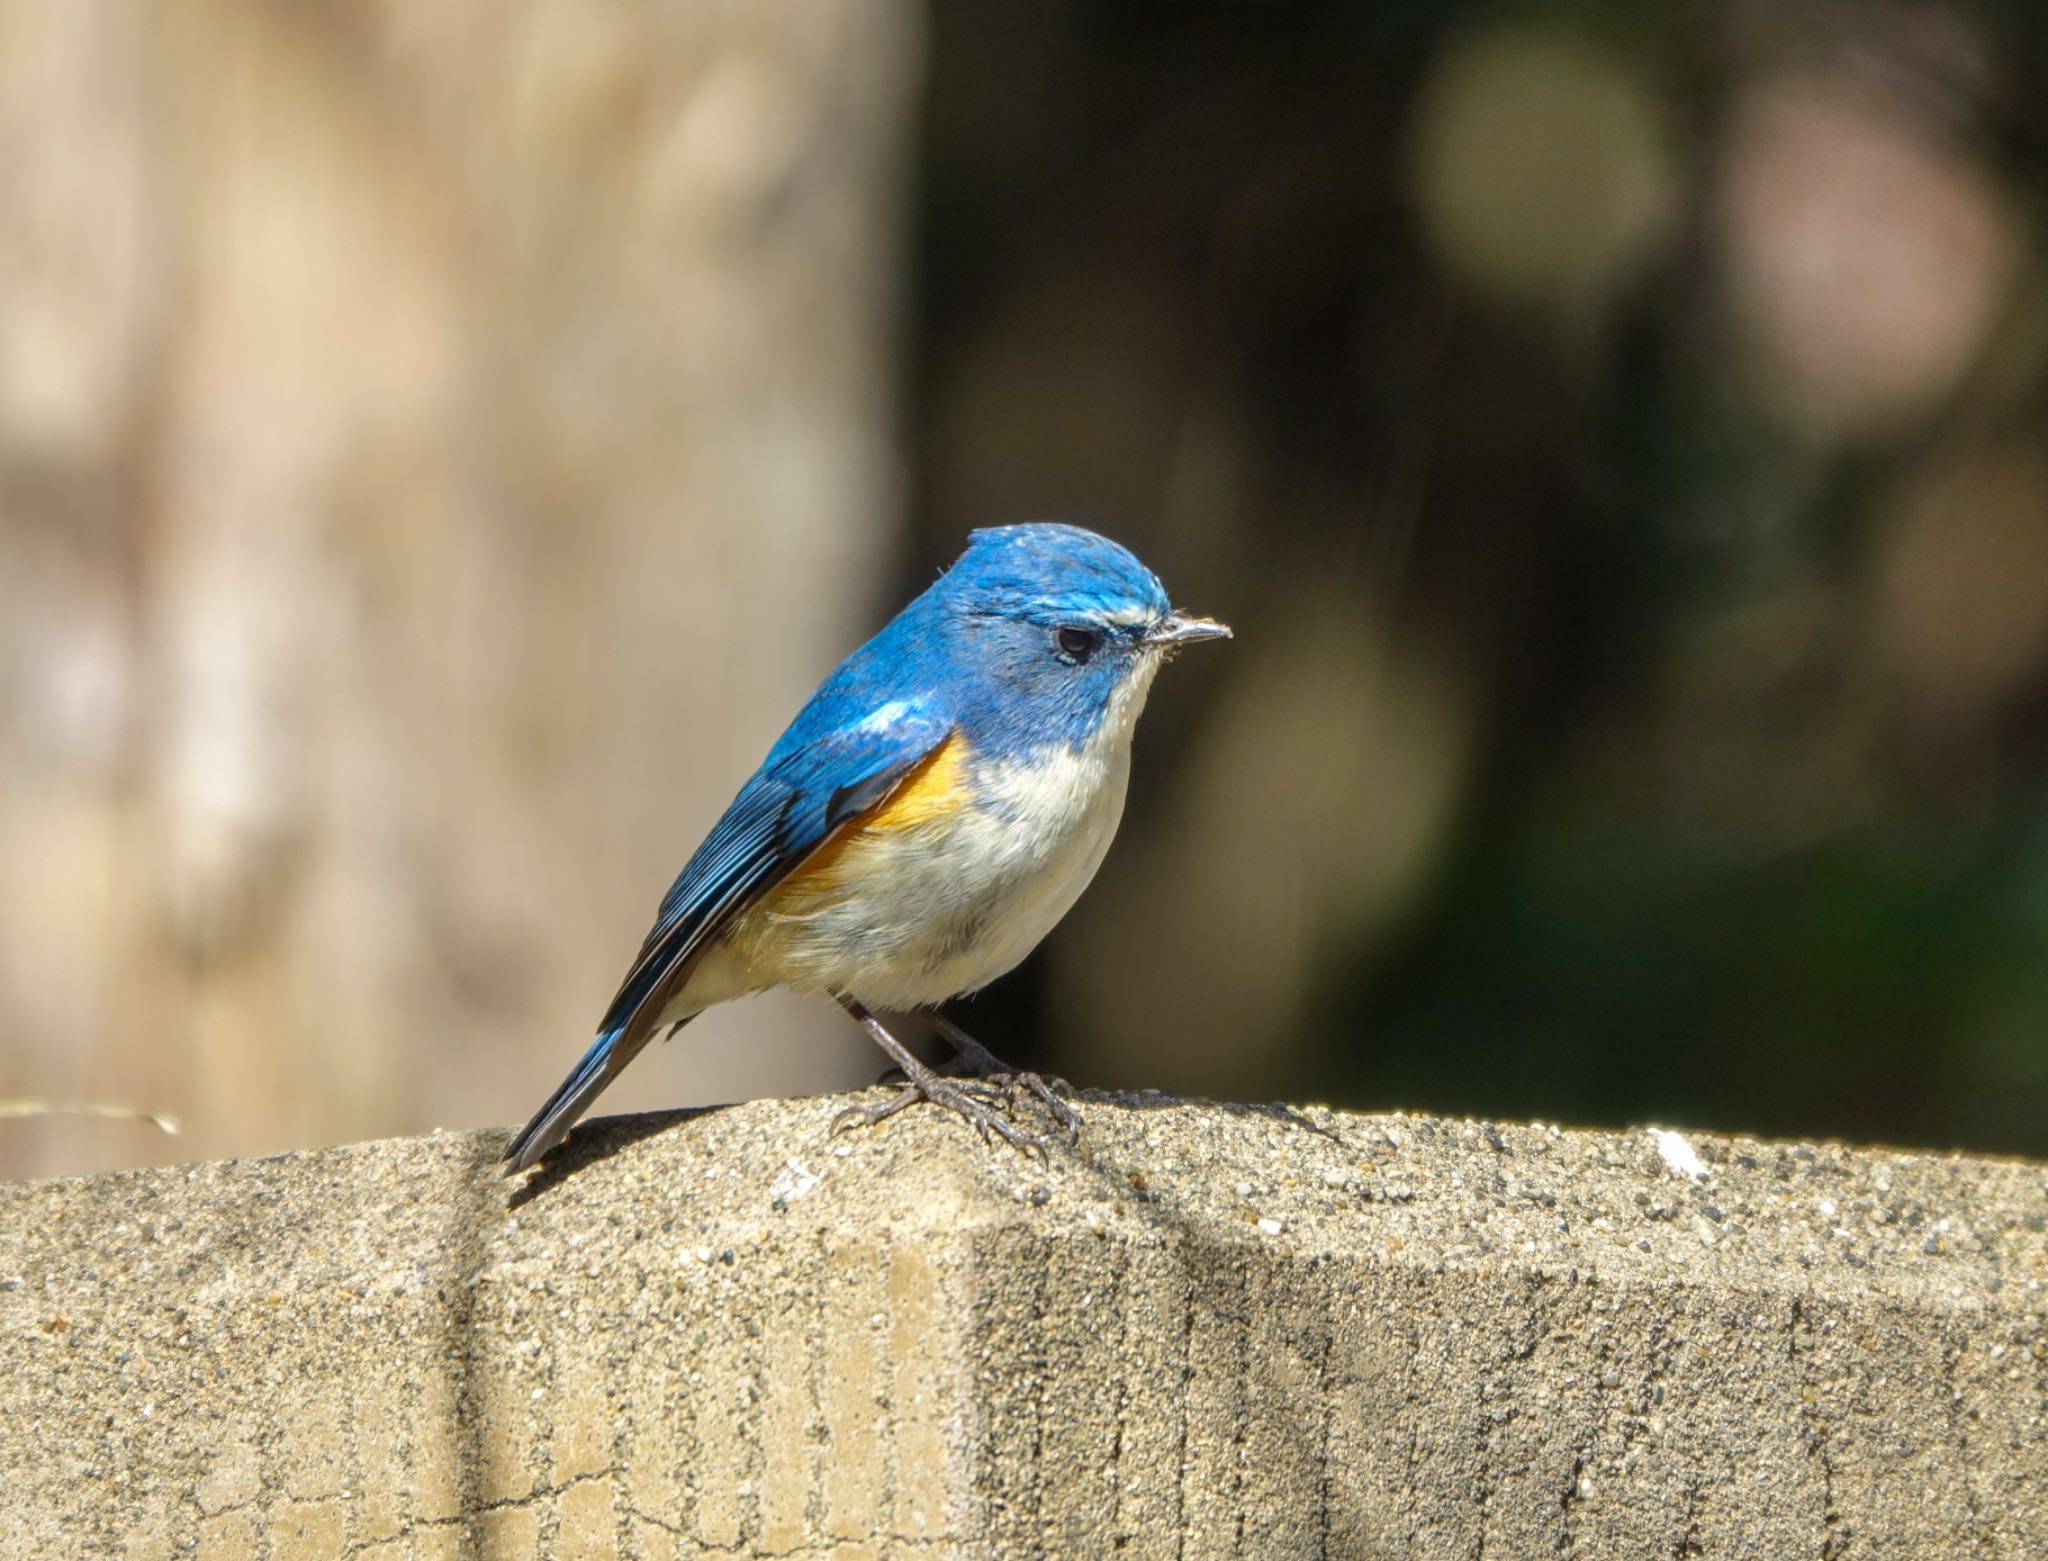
1541, 166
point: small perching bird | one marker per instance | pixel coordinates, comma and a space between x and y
933, 810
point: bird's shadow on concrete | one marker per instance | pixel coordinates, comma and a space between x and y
599, 1139
603, 1137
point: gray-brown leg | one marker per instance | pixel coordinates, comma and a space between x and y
980, 1103
985, 1064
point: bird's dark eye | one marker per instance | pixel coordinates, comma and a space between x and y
1076, 643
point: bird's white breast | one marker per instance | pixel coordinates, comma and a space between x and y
914, 916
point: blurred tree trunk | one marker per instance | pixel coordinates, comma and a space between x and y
438, 448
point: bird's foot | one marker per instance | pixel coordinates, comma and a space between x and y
982, 1103
996, 1094
1050, 1090
996, 1089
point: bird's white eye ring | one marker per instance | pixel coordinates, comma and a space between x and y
1075, 642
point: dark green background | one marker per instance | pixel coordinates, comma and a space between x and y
1716, 855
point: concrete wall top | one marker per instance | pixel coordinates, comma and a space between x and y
1209, 1330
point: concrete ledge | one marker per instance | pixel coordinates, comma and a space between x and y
1213, 1330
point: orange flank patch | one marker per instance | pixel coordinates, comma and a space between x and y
930, 794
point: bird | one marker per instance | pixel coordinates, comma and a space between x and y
933, 810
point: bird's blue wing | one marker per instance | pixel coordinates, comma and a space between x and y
805, 791
779, 818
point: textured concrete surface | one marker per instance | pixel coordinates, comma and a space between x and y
1213, 1330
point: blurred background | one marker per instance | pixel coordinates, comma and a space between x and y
439, 448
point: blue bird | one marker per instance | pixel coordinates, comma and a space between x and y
933, 810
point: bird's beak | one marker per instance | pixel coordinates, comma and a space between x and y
1178, 630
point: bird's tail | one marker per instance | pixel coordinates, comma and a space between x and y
608, 1054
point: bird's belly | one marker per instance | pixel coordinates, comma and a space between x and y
904, 917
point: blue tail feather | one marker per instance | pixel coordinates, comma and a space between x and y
597, 1067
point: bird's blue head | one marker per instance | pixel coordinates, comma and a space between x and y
1064, 629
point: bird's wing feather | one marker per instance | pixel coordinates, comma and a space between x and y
791, 807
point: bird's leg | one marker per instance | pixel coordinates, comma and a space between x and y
985, 1064
993, 1094
999, 1095
967, 1098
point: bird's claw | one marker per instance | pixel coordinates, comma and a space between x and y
868, 1116
1050, 1090
998, 1089
980, 1102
